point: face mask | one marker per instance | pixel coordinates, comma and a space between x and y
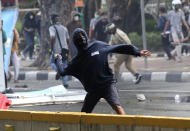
96, 16
76, 18
81, 41
31, 17
186, 8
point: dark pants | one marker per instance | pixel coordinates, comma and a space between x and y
109, 93
185, 49
29, 38
166, 46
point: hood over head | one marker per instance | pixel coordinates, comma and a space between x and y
80, 39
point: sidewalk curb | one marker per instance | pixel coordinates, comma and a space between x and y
125, 76
159, 76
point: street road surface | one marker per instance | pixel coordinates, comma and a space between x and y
160, 98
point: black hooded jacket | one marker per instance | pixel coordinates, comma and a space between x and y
91, 66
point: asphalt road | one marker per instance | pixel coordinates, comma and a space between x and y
160, 98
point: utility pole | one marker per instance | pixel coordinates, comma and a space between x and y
143, 31
2, 75
16, 3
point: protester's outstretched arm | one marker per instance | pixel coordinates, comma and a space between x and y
124, 49
127, 49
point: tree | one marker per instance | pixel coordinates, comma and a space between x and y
153, 9
91, 6
47, 7
128, 11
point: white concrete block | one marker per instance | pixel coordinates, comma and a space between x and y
126, 76
185, 77
31, 75
158, 76
51, 75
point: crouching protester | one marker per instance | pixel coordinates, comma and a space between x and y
91, 67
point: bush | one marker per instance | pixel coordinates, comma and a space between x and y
150, 25
136, 39
153, 40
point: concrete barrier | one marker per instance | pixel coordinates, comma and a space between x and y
42, 121
20, 120
73, 121
100, 122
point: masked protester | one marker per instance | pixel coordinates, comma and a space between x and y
175, 19
28, 27
99, 29
91, 67
162, 19
186, 11
71, 26
93, 23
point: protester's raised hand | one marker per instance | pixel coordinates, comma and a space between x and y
145, 53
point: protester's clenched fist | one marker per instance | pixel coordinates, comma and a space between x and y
145, 53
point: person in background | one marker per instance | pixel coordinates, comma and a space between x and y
14, 57
59, 36
71, 26
91, 67
92, 24
4, 39
28, 26
176, 18
119, 37
163, 17
186, 9
99, 30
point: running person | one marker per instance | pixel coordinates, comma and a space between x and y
91, 67
119, 37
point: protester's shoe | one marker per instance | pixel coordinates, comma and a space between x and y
8, 90
22, 56
138, 78
57, 76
